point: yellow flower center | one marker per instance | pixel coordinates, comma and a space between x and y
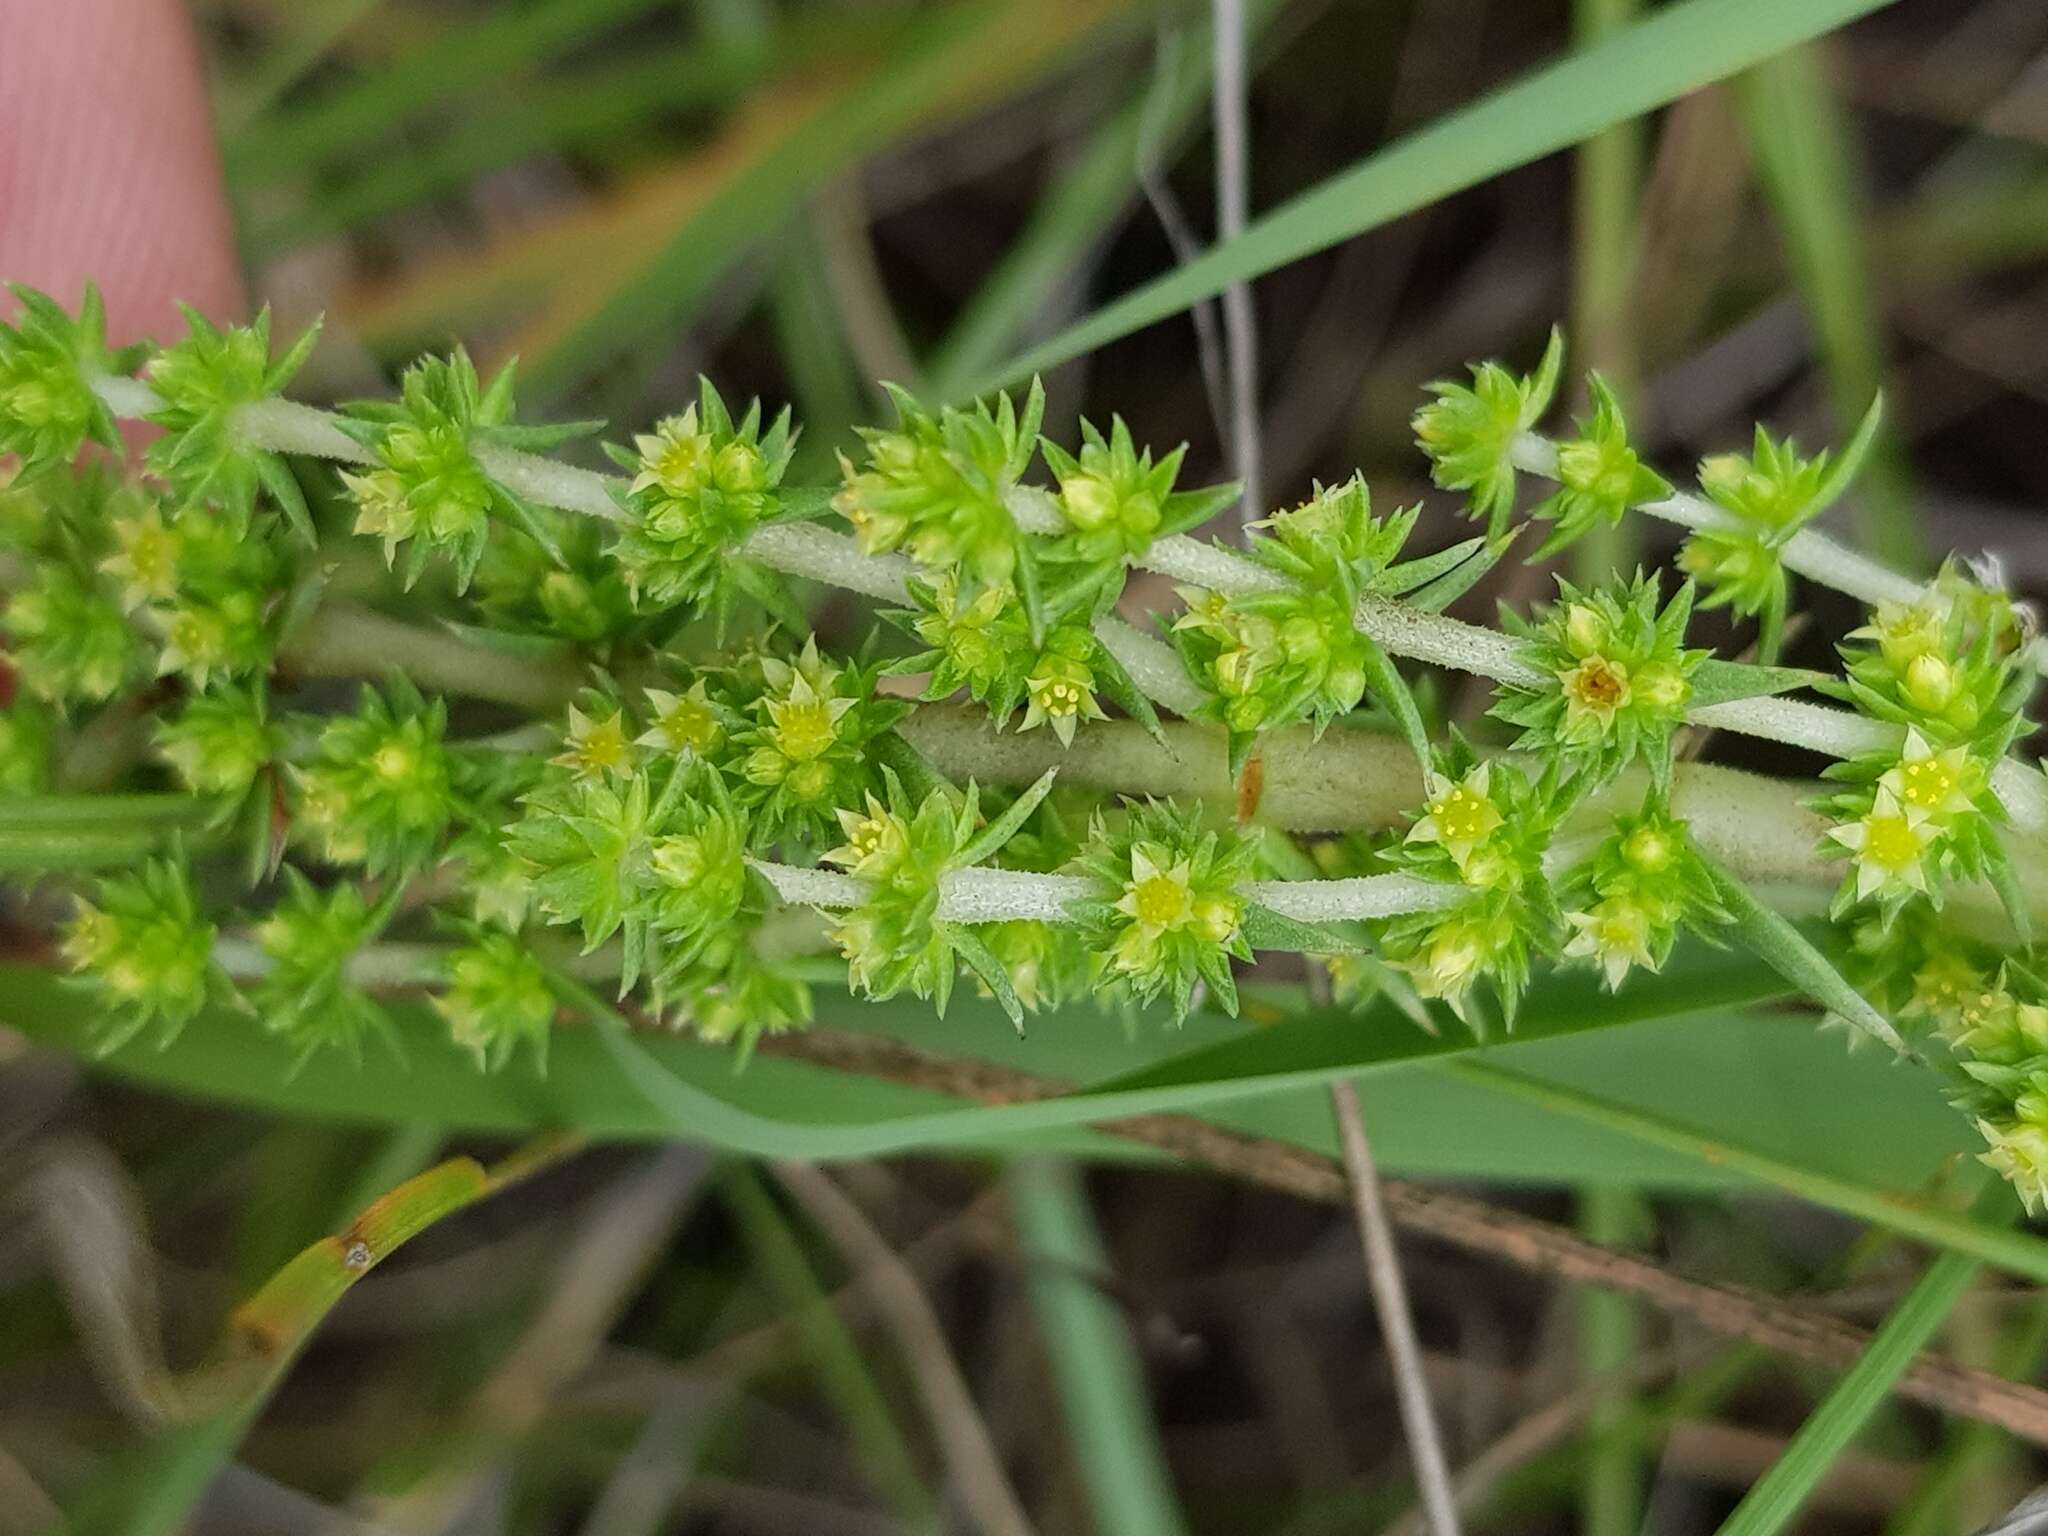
1059, 698
1927, 783
689, 727
683, 464
1892, 843
1160, 902
1597, 687
394, 761
805, 731
1464, 816
866, 838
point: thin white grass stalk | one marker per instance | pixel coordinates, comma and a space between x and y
1202, 563
126, 397
1441, 641
1810, 553
1833, 732
812, 887
1233, 198
374, 965
1397, 1325
285, 426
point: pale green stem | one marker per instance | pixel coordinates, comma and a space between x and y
985, 895
1447, 642
1748, 824
1812, 554
374, 965
1355, 899
807, 550
343, 639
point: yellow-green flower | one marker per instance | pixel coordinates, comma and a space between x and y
1061, 692
1890, 848
2019, 1151
145, 558
1461, 816
1937, 784
684, 724
593, 748
1615, 934
1907, 630
1461, 948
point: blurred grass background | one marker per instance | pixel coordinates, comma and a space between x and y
801, 197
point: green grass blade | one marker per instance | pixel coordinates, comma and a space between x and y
1077, 212
823, 377
556, 114
1679, 49
291, 60
1976, 1459
1611, 1339
152, 1489
1607, 175
921, 80
1773, 1503
2021, 1253
504, 41
1801, 140
842, 1371
1768, 1081
1098, 1374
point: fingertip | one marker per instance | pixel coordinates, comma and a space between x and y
108, 171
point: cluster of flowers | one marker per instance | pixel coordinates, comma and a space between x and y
699, 785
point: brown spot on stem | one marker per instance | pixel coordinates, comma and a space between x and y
1251, 788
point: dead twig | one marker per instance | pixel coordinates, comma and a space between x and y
1800, 1330
1397, 1322
956, 1420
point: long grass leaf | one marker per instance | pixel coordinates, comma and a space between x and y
1801, 141
1677, 50
1096, 1370
2022, 1253
1774, 1502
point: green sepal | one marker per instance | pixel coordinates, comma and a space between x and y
1031, 590
767, 588
529, 522
894, 754
538, 438
1116, 685
1408, 575
1998, 869
985, 843
982, 961
1384, 682
1722, 682
276, 477
1773, 939
1439, 594
1265, 929
512, 642
1185, 510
